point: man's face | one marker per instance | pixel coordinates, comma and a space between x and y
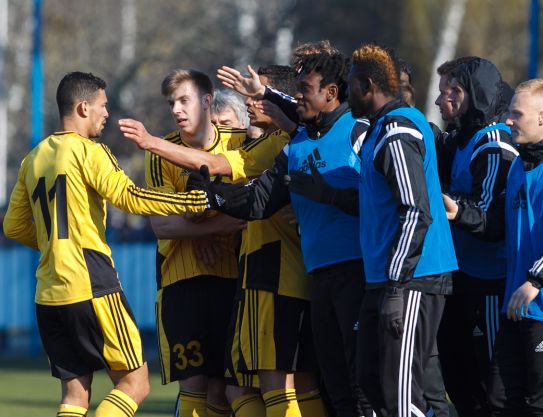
526, 118
188, 108
98, 114
227, 117
452, 100
359, 100
311, 98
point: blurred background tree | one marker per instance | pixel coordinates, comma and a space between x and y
132, 44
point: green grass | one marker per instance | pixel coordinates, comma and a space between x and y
27, 389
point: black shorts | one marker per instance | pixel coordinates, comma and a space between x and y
83, 337
192, 321
271, 332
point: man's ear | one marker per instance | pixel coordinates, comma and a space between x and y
332, 92
206, 101
540, 118
367, 85
82, 108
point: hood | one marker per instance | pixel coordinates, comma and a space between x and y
483, 83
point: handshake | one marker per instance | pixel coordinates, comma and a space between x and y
220, 195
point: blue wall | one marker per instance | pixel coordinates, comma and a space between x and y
135, 263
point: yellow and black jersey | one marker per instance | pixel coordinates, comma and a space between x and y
58, 206
270, 256
176, 257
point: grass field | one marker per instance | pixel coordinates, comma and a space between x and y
28, 390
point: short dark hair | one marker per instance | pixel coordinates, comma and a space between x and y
178, 76
377, 63
76, 87
449, 66
333, 68
281, 77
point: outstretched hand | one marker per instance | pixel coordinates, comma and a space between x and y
248, 86
220, 195
313, 187
135, 131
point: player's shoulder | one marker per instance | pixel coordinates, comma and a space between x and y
174, 137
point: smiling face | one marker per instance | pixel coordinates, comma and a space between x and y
526, 118
188, 107
97, 114
311, 97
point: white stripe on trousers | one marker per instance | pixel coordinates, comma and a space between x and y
492, 308
406, 354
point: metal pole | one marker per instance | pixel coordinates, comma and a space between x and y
37, 77
533, 62
3, 103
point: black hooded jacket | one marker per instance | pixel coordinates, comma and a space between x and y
488, 99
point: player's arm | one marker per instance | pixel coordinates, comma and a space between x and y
102, 173
266, 194
484, 223
401, 160
177, 227
18, 224
251, 86
191, 159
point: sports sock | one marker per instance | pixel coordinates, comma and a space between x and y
311, 404
67, 410
249, 405
191, 404
281, 403
116, 404
218, 410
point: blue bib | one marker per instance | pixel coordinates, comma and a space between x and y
379, 218
476, 257
328, 235
524, 233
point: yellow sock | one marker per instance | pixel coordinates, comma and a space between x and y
67, 410
249, 405
116, 404
311, 404
191, 404
218, 410
281, 403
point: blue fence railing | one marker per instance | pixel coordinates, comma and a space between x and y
135, 263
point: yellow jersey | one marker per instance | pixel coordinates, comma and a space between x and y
175, 258
270, 255
58, 206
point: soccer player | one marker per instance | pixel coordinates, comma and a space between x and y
480, 153
329, 239
196, 258
516, 372
58, 206
405, 239
274, 287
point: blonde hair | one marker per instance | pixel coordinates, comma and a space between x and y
375, 62
178, 76
534, 86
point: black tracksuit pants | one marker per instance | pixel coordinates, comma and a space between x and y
469, 326
336, 295
391, 371
516, 373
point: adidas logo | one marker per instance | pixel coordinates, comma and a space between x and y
477, 331
539, 347
220, 201
356, 326
313, 158
227, 373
